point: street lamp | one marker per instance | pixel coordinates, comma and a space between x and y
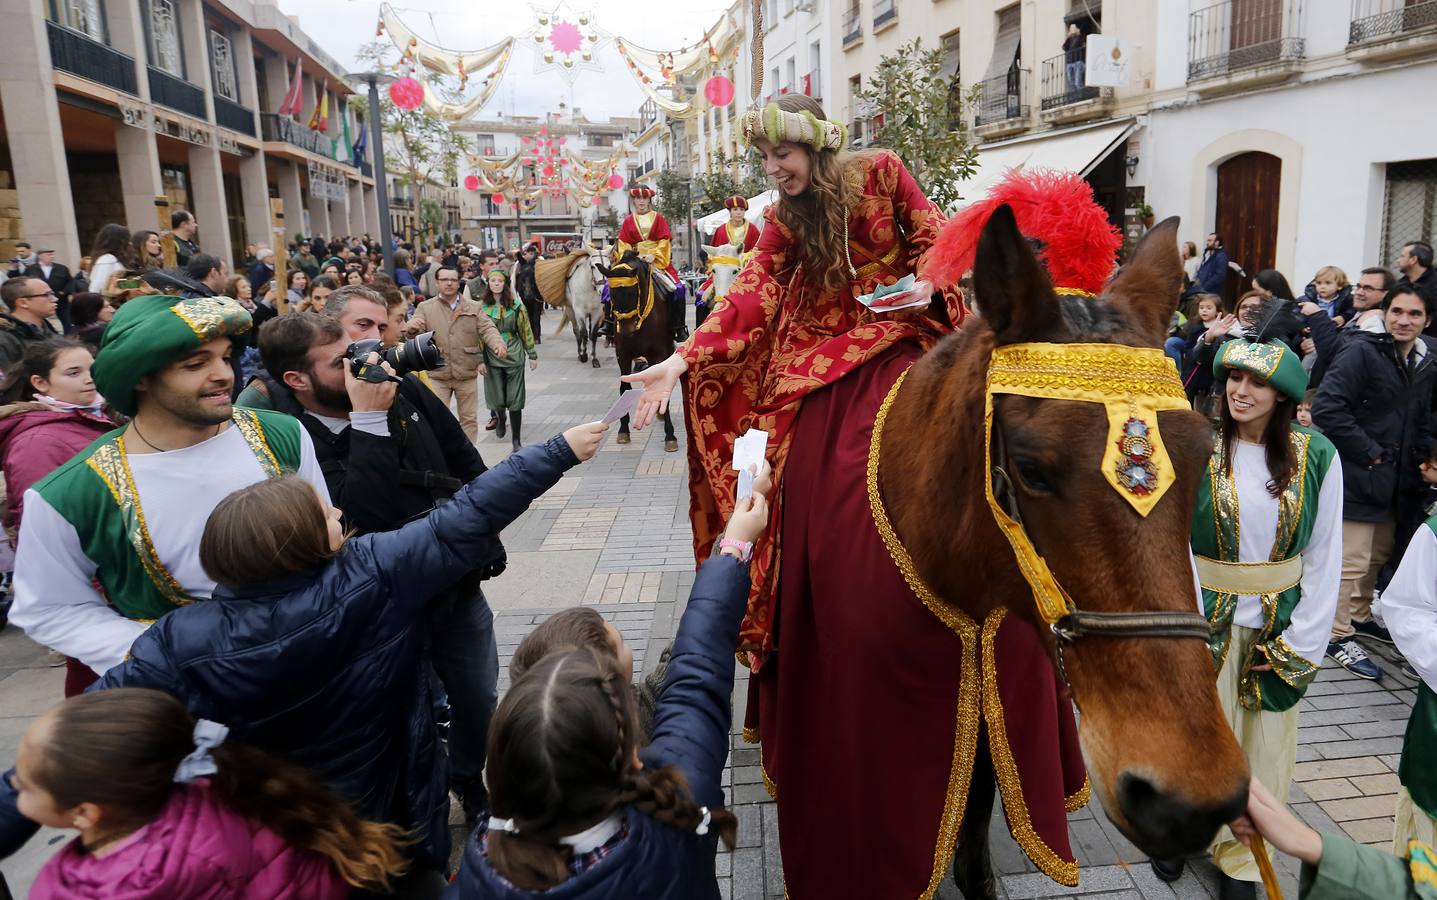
376, 137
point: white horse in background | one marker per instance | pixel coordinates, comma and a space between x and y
584, 305
725, 260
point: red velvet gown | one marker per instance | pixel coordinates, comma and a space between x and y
868, 704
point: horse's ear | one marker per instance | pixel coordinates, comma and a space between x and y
710, 250
1148, 286
1014, 293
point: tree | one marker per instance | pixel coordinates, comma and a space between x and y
418, 148
919, 105
673, 197
720, 182
431, 216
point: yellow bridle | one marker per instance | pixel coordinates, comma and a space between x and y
645, 305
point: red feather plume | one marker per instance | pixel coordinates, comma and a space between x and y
1080, 245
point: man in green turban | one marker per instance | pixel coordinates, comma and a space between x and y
110, 540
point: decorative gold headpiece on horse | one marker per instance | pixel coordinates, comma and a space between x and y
779, 125
1133, 384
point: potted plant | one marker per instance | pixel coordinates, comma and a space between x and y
1145, 215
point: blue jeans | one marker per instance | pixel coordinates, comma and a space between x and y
1075, 76
465, 655
1174, 347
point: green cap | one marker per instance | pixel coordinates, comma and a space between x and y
1270, 360
148, 333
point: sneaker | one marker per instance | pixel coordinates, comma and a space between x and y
1373, 630
1354, 659
1407, 670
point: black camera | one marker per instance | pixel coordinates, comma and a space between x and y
418, 354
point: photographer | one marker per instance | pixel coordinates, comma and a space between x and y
390, 453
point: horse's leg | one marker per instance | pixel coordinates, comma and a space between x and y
623, 437
580, 336
972, 863
593, 330
671, 443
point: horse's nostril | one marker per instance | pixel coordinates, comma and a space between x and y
1166, 825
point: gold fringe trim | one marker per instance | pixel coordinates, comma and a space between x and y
1081, 798
768, 783
965, 729
1052, 865
750, 735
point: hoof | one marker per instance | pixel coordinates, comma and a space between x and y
595, 362
671, 445
623, 438
583, 357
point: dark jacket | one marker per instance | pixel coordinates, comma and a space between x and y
691, 729
324, 669
1212, 271
1371, 406
1341, 304
260, 274
59, 281
1196, 378
15, 336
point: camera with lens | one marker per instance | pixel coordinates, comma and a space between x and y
418, 354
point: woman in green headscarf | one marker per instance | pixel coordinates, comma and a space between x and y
504, 378
1267, 537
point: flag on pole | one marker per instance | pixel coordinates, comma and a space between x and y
319, 119
340, 146
293, 100
362, 144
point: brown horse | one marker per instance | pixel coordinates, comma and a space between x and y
1160, 753
643, 335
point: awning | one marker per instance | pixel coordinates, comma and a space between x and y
756, 205
1077, 149
1005, 44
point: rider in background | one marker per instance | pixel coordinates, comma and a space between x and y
1267, 536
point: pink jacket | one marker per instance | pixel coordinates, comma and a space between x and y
197, 848
35, 440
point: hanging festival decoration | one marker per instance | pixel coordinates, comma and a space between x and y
407, 93
616, 181
661, 73
484, 67
565, 41
718, 90
471, 182
498, 199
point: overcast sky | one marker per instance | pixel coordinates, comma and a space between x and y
342, 26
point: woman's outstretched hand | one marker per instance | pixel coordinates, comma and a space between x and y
585, 439
657, 383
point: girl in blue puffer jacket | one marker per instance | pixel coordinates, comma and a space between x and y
579, 811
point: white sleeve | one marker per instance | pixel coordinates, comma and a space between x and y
1409, 605
1311, 626
55, 602
309, 468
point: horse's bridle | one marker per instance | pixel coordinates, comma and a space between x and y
1131, 381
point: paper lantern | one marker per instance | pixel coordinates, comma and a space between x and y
616, 181
498, 199
471, 182
718, 90
407, 93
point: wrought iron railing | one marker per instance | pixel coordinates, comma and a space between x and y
176, 93
1374, 20
852, 25
1003, 98
73, 52
233, 116
1227, 37
285, 130
1064, 83
883, 11
366, 169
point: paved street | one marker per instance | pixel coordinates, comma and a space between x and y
614, 534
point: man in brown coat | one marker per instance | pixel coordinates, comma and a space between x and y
462, 331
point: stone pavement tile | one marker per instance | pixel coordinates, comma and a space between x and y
11, 730
1385, 728
772, 864
1318, 733
1365, 747
1091, 845
1374, 807
747, 875
1377, 784
1332, 788
1094, 880
19, 652
541, 580
1338, 768
1314, 815
29, 692
1366, 831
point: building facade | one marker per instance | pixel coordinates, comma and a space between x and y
173, 104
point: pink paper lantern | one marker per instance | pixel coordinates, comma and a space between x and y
718, 90
616, 181
407, 93
471, 182
498, 199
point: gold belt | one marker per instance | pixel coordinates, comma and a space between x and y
1249, 578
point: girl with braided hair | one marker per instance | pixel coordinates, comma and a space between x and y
579, 808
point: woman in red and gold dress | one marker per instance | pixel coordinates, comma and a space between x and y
854, 682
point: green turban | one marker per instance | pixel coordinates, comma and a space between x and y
149, 333
1269, 360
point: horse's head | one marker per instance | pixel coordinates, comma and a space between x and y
1107, 505
725, 260
631, 291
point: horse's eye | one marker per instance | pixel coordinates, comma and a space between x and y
1032, 476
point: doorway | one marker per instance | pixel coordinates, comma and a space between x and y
1248, 190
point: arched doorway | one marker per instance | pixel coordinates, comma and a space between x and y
1248, 190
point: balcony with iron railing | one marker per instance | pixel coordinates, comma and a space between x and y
852, 26
884, 12
231, 115
1245, 43
812, 84
1003, 104
176, 93
78, 54
1388, 29
1065, 96
284, 130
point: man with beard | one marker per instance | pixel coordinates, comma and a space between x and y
110, 540
390, 453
